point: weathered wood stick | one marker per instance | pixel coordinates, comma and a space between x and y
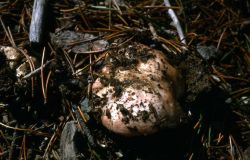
67, 142
38, 21
36, 71
176, 21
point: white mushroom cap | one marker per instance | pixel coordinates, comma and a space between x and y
139, 99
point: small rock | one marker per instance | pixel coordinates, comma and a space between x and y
12, 55
207, 52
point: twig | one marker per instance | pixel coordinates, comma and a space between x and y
227, 77
77, 64
83, 127
13, 145
236, 149
37, 21
47, 81
42, 78
69, 61
231, 148
117, 7
176, 22
24, 130
96, 60
82, 15
191, 156
4, 139
85, 119
90, 77
110, 13
11, 37
219, 42
161, 39
52, 140
23, 149
32, 67
36, 71
7, 34
242, 91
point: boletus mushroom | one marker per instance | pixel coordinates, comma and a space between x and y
137, 91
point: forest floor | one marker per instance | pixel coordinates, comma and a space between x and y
46, 110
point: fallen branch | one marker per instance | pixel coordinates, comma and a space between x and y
36, 71
37, 21
176, 22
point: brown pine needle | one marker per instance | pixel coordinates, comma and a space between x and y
82, 114
24, 130
42, 78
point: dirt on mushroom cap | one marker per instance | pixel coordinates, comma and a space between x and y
138, 90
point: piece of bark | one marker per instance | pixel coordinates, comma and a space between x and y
67, 143
38, 21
